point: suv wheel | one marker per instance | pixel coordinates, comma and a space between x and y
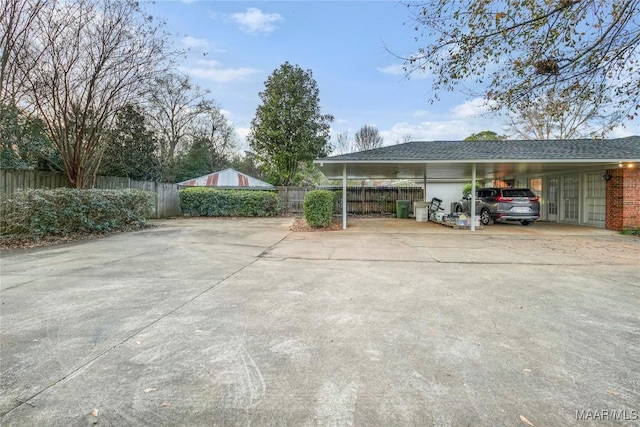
485, 217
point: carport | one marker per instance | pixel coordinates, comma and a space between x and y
581, 180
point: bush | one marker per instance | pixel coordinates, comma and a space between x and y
318, 208
42, 212
199, 201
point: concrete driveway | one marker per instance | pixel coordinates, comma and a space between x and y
391, 322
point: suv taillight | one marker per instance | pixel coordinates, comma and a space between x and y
534, 199
503, 199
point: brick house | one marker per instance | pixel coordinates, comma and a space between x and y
581, 181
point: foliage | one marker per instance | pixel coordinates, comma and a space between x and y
288, 128
631, 232
76, 64
131, 148
520, 49
466, 190
174, 103
39, 213
199, 201
318, 207
367, 138
343, 144
560, 116
23, 144
485, 135
206, 153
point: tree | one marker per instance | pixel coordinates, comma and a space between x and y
517, 50
23, 144
485, 135
212, 147
368, 138
17, 27
174, 103
343, 143
85, 61
131, 148
554, 116
288, 128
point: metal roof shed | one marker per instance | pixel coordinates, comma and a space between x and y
227, 179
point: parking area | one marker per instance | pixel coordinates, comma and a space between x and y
390, 322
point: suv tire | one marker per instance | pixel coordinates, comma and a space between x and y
485, 217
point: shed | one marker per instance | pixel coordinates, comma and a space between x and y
229, 179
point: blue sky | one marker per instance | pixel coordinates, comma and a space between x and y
235, 45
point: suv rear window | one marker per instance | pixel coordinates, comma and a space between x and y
517, 192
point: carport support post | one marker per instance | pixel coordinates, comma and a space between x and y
424, 183
473, 197
344, 196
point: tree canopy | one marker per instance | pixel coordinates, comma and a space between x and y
485, 135
518, 50
289, 128
367, 138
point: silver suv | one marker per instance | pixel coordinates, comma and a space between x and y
507, 204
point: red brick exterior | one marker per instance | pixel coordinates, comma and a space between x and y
623, 199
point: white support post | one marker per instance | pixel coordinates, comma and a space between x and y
344, 196
473, 197
424, 183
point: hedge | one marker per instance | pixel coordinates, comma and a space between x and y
199, 201
318, 208
42, 212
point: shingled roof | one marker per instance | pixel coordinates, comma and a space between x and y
446, 160
519, 150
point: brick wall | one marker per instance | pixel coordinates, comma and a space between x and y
623, 199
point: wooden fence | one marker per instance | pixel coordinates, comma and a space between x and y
360, 200
167, 204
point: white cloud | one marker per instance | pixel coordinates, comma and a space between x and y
421, 113
225, 113
254, 21
188, 1
472, 108
461, 121
192, 42
398, 70
214, 71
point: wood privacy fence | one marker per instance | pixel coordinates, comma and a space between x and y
360, 200
167, 204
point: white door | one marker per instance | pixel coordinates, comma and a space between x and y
553, 195
570, 198
595, 202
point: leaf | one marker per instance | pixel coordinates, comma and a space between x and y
94, 412
526, 421
165, 404
149, 390
615, 393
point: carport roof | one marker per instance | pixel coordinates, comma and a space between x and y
453, 159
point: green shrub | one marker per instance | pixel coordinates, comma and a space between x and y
42, 212
199, 201
466, 190
318, 208
631, 232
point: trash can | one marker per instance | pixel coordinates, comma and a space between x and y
402, 208
419, 205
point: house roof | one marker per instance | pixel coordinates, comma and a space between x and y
453, 159
227, 179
